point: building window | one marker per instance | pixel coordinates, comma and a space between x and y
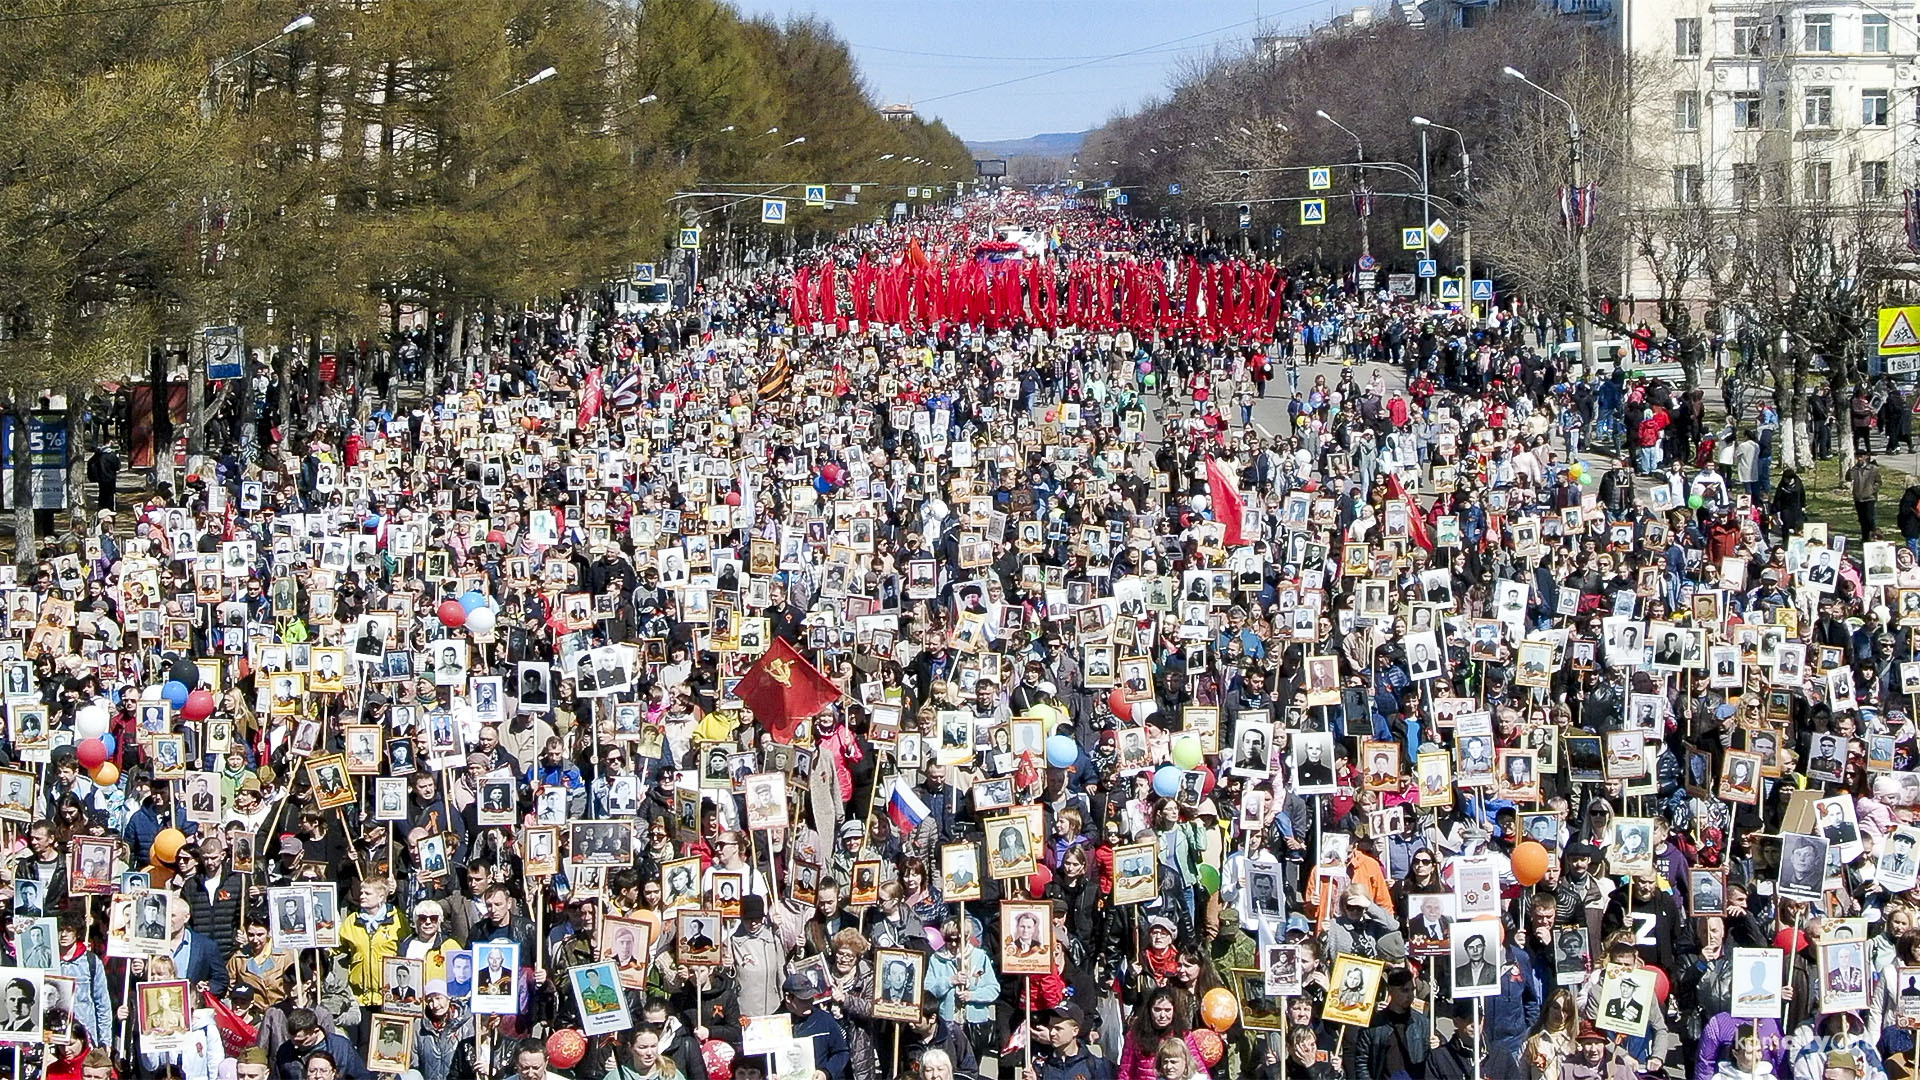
1876, 179
1874, 106
1875, 34
1816, 33
1817, 107
1747, 180
1688, 187
1818, 177
1749, 34
1746, 110
1686, 37
1686, 110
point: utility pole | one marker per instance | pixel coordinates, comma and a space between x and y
1578, 216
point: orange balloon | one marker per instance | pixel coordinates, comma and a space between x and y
1529, 862
1212, 1046
168, 844
107, 774
1219, 1008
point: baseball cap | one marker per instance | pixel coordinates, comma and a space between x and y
1842, 1059
1067, 1010
800, 986
1160, 922
292, 845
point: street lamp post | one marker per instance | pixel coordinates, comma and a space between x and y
1426, 212
1579, 222
1360, 155
1466, 201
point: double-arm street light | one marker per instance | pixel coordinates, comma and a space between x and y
1578, 205
1466, 195
1363, 205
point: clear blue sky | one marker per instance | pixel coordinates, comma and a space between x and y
930, 52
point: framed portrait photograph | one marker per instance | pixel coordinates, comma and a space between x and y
1026, 938
960, 871
597, 994
165, 1013
698, 937
1136, 876
1477, 958
1010, 852
898, 975
1353, 989
390, 1043
496, 978
627, 944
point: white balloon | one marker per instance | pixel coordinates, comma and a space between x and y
91, 722
480, 620
151, 693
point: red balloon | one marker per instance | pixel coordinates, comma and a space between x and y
91, 753
1042, 877
832, 473
1661, 987
1117, 701
497, 537
566, 1047
451, 613
1207, 779
199, 705
733, 498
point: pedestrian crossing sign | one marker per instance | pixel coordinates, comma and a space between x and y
1898, 333
1481, 290
1320, 177
1429, 267
1450, 290
690, 237
816, 194
1313, 211
773, 211
642, 271
1413, 239
1173, 189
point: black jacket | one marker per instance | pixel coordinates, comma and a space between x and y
216, 912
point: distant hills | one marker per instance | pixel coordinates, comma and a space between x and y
1053, 144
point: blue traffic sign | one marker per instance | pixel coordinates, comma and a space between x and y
1121, 199
1429, 268
1173, 189
1482, 289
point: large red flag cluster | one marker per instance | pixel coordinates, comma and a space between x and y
990, 287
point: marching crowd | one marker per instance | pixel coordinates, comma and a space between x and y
1345, 688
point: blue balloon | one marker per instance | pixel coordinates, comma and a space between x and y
473, 600
107, 739
175, 693
1062, 751
821, 485
1166, 781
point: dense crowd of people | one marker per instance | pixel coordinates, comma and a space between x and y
1258, 676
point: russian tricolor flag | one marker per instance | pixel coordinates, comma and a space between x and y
905, 808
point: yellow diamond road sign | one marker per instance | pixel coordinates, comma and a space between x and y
1438, 231
1899, 331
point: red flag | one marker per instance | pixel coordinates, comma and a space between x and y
1416, 520
591, 398
1227, 503
782, 689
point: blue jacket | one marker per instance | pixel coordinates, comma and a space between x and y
145, 824
202, 962
289, 1061
1513, 1012
829, 1042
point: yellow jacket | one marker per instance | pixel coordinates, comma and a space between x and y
367, 944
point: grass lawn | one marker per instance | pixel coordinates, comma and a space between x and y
1830, 500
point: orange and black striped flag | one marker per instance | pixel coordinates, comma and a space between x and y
778, 378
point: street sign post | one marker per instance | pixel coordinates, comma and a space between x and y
773, 211
1429, 268
816, 194
1313, 211
690, 237
1899, 330
1451, 290
1438, 231
1413, 238
1320, 178
1482, 291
